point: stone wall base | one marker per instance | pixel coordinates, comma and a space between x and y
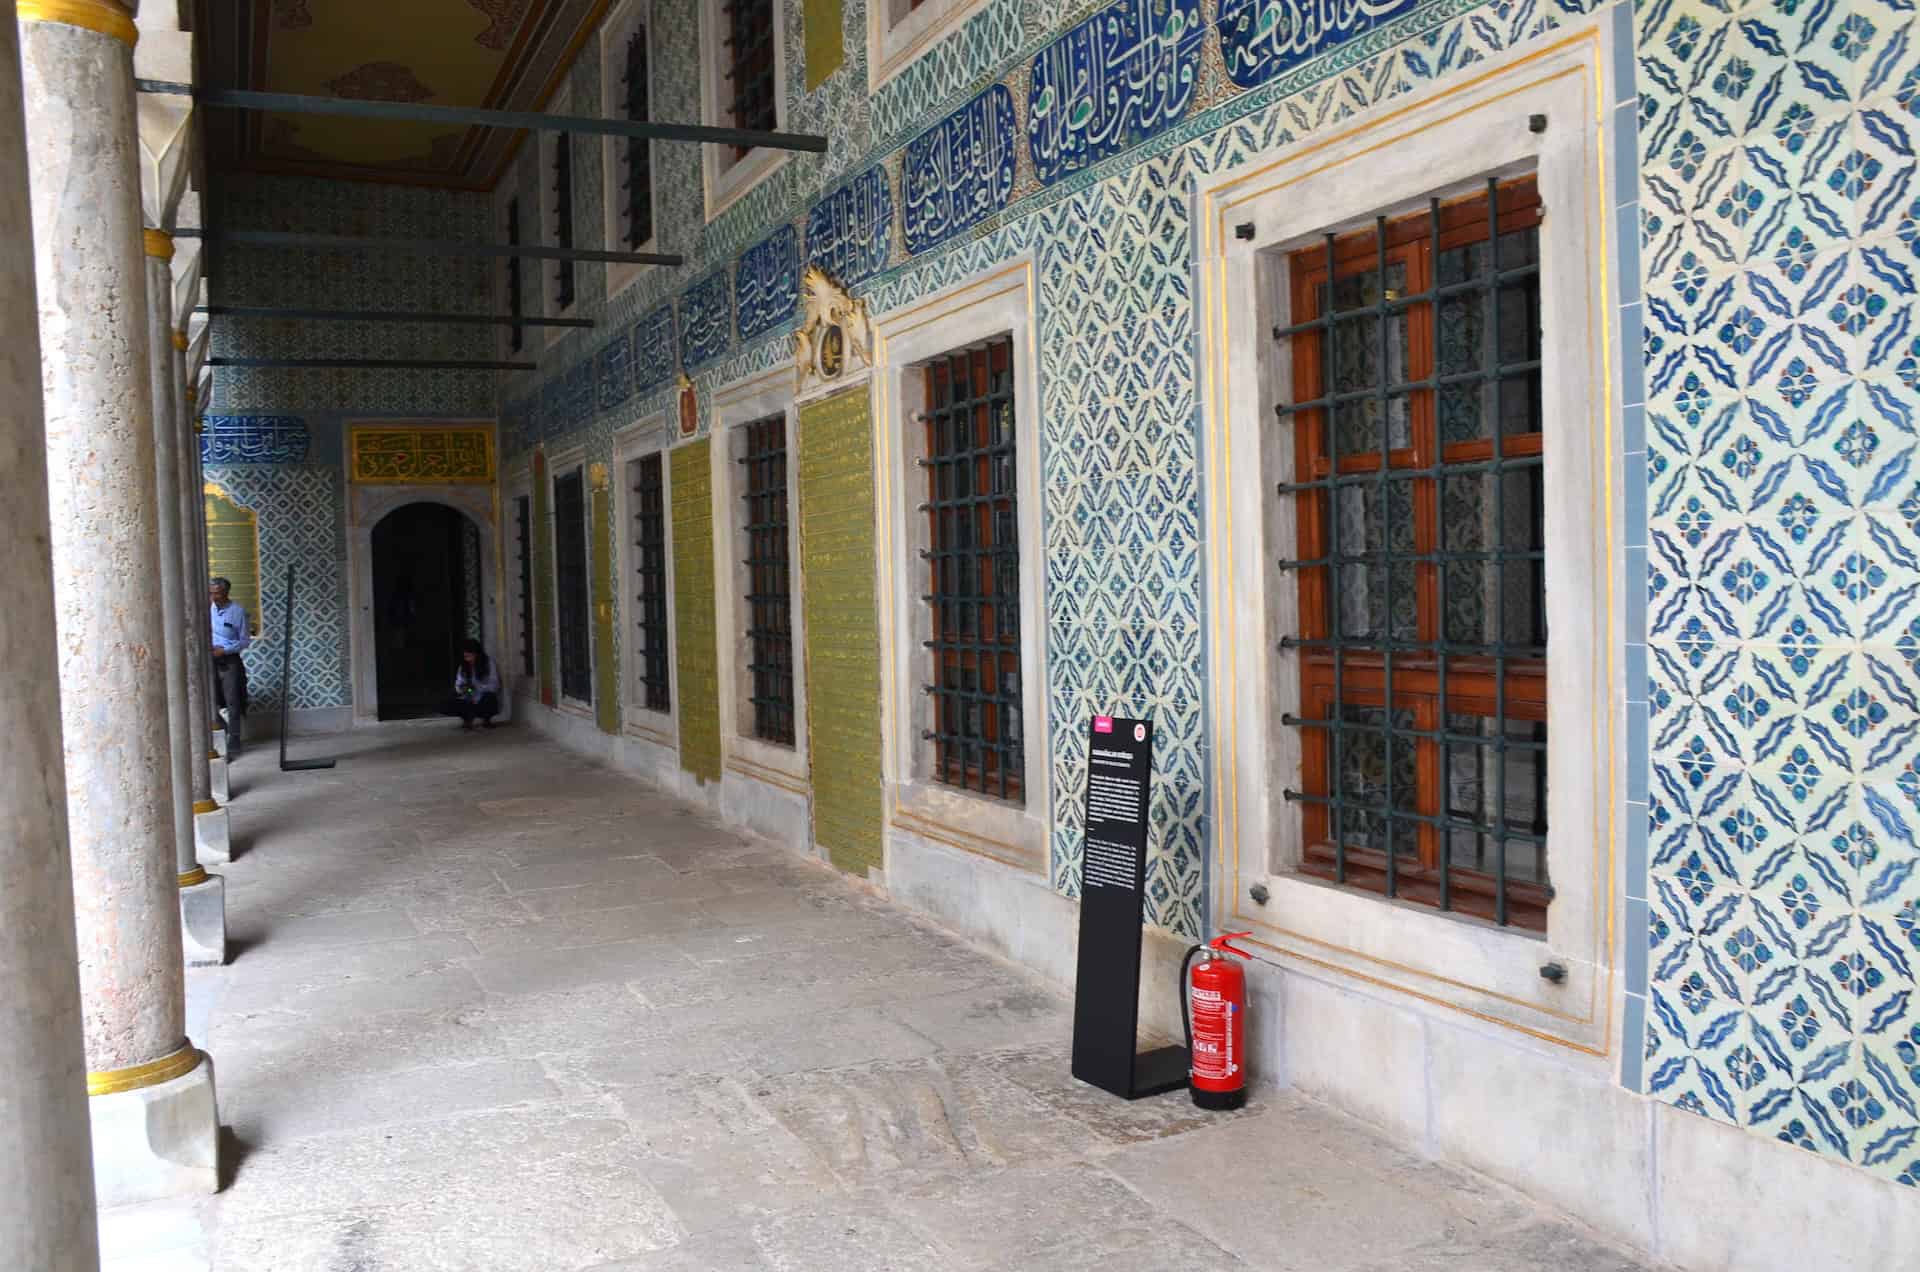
203, 922
212, 837
157, 1142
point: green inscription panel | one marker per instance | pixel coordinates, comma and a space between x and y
543, 576
233, 551
826, 42
838, 562
696, 652
606, 669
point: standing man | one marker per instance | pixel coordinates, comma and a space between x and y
229, 673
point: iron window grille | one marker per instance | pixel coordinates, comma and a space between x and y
523, 539
1417, 429
563, 216
516, 304
638, 182
769, 582
650, 525
570, 575
750, 66
973, 560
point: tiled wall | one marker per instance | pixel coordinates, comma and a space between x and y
957, 165
1771, 519
1779, 211
273, 437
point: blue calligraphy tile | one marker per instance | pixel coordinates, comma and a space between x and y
766, 285
613, 369
706, 319
1261, 38
1111, 82
254, 439
576, 403
654, 357
850, 230
960, 171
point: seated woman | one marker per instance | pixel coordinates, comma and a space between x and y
476, 688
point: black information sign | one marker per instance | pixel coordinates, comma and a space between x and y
1106, 997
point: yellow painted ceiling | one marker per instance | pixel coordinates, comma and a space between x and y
500, 54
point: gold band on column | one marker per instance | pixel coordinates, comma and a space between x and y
206, 805
180, 344
191, 394
159, 244
213, 755
197, 875
94, 15
152, 1073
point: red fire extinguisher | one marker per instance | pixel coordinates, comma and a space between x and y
1215, 998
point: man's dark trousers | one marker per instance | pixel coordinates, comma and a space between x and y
230, 695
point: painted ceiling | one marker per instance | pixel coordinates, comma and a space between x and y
499, 54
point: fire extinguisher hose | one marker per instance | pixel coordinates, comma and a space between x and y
1186, 1004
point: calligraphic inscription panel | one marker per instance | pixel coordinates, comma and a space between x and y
849, 233
706, 319
1261, 38
613, 373
767, 284
254, 439
654, 359
576, 396
960, 171
233, 550
423, 456
1113, 81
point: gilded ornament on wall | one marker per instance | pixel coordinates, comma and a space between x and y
834, 330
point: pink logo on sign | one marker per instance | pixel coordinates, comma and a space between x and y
1103, 724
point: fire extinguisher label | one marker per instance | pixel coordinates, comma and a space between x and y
1212, 1036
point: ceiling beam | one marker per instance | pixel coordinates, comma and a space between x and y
388, 315
371, 364
434, 247
420, 112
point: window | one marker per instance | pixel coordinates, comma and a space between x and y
570, 578
899, 31
516, 300
563, 219
1417, 425
973, 570
769, 596
637, 178
750, 83
523, 579
742, 85
647, 478
626, 86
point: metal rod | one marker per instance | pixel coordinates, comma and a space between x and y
169, 88
386, 315
392, 364
420, 112
436, 247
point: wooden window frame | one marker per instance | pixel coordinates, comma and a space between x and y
991, 768
1471, 685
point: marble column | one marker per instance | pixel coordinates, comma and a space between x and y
210, 824
154, 1128
203, 902
46, 1171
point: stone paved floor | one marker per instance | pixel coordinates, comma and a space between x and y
495, 1009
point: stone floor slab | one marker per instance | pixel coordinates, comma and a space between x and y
495, 1009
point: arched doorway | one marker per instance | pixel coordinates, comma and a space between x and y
428, 566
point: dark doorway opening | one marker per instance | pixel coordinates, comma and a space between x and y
426, 600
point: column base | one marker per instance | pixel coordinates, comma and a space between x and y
219, 742
217, 777
158, 1141
203, 922
212, 837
